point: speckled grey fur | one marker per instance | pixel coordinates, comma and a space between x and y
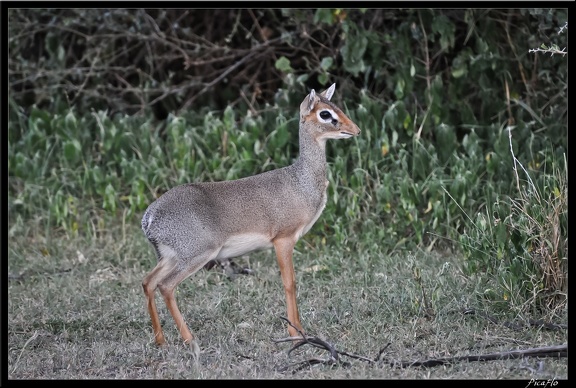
196, 218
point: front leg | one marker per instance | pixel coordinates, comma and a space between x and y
284, 248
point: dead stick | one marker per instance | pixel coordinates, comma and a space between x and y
546, 351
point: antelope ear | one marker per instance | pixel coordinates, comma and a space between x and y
308, 103
311, 99
327, 94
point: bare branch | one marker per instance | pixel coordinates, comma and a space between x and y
556, 351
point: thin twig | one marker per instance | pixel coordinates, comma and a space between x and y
225, 73
549, 50
24, 347
546, 351
516, 161
426, 63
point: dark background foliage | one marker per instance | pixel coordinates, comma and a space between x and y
132, 60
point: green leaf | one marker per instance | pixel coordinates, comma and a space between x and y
407, 121
279, 138
326, 63
324, 15
302, 79
283, 64
557, 192
394, 138
228, 118
457, 73
72, 149
110, 198
399, 89
70, 121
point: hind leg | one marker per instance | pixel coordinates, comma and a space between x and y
167, 286
149, 284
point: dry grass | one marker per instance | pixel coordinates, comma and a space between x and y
76, 311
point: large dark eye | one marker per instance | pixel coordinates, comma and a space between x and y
325, 115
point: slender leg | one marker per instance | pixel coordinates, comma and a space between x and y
284, 248
167, 287
168, 294
149, 285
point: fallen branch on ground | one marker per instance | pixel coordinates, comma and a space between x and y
556, 351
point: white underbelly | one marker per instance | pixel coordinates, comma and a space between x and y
241, 244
